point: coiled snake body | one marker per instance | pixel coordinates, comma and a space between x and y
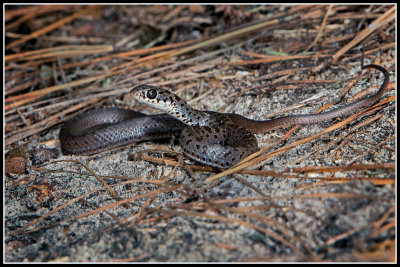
217, 139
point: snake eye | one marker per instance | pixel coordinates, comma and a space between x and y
151, 94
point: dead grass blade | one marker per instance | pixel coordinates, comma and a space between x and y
52, 26
385, 18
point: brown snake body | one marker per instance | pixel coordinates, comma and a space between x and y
217, 139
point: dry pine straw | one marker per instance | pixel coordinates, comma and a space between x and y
159, 59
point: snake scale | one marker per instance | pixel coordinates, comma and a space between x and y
216, 139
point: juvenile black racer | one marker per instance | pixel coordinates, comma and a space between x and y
217, 139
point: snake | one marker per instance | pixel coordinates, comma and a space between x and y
216, 139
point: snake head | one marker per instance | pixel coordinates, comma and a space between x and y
161, 99
154, 96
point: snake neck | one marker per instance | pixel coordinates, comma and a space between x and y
186, 114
